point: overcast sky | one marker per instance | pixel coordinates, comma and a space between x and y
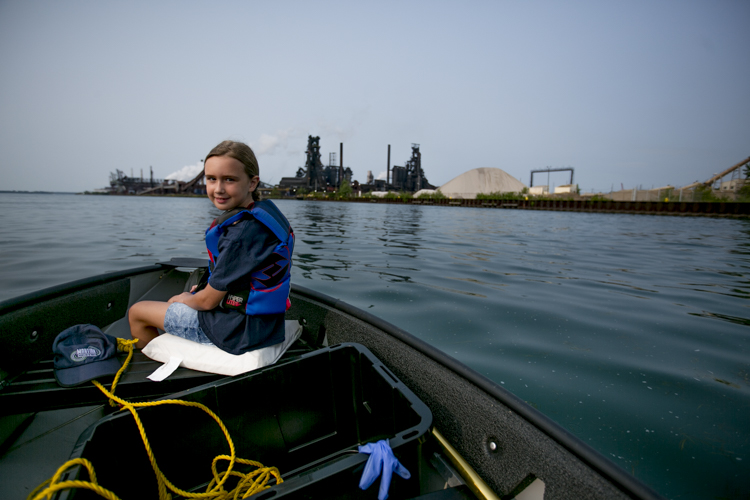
627, 93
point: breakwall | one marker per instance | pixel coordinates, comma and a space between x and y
710, 209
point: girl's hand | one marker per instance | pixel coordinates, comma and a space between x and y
180, 298
204, 300
192, 290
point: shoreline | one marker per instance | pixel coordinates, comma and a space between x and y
733, 209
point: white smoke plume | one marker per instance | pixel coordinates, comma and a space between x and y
381, 176
186, 173
289, 141
293, 141
287, 146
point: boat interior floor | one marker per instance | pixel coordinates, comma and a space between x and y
47, 440
35, 443
41, 421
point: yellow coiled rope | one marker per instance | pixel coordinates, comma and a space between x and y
248, 483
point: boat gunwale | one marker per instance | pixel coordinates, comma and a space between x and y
21, 301
588, 455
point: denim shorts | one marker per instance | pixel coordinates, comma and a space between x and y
182, 321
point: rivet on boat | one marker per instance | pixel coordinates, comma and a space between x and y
492, 445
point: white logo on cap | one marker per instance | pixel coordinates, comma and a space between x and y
85, 352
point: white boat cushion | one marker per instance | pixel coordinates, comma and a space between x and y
211, 359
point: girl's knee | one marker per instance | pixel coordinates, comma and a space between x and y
135, 313
146, 312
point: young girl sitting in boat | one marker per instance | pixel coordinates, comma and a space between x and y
250, 247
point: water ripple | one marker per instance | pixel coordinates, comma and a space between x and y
639, 347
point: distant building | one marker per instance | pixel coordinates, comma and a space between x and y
566, 188
733, 185
314, 176
119, 183
410, 178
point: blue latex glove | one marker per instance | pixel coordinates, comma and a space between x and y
381, 459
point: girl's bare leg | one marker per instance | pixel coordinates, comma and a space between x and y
145, 319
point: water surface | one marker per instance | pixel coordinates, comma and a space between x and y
631, 331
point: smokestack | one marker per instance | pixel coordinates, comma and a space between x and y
419, 170
388, 168
341, 163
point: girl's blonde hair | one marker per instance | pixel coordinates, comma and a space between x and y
243, 154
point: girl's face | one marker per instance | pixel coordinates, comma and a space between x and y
227, 184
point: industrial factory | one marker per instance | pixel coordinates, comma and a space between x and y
314, 177
409, 178
119, 183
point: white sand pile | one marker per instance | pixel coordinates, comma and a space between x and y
481, 180
424, 191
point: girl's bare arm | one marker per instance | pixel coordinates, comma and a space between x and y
204, 300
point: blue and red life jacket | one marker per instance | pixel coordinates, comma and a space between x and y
269, 284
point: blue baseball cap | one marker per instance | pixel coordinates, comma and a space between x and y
83, 353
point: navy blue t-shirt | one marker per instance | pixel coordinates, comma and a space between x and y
242, 248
